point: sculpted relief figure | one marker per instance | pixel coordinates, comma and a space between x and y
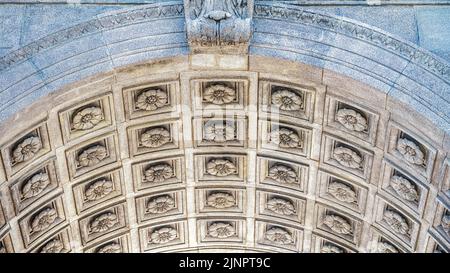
221, 23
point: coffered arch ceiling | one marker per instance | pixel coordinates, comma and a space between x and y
303, 145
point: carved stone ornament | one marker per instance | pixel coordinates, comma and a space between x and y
283, 174
163, 235
445, 223
397, 222
279, 236
221, 200
285, 138
280, 206
92, 156
328, 248
87, 118
53, 246
347, 157
351, 120
155, 137
151, 100
34, 186
219, 23
110, 248
2, 248
43, 220
219, 133
219, 94
220, 167
342, 192
384, 247
337, 224
158, 173
287, 100
410, 151
160, 204
26, 149
404, 188
103, 223
98, 190
221, 230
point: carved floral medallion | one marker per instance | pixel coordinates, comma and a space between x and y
43, 220
221, 200
220, 167
396, 222
347, 157
338, 224
26, 149
151, 100
221, 230
285, 138
158, 173
103, 223
98, 190
342, 192
287, 100
219, 132
351, 120
281, 206
87, 118
329, 248
410, 151
163, 235
53, 246
385, 247
35, 185
404, 188
283, 174
219, 94
160, 204
154, 138
279, 236
110, 248
92, 156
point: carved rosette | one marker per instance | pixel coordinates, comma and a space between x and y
35, 185
285, 138
151, 100
287, 100
410, 151
103, 223
43, 220
110, 248
219, 133
220, 167
396, 222
158, 173
92, 156
163, 235
160, 204
87, 118
404, 188
347, 157
385, 247
221, 200
279, 236
26, 149
155, 138
338, 224
328, 248
351, 120
53, 246
221, 230
343, 192
281, 206
283, 174
98, 190
219, 94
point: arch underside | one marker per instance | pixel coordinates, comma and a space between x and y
301, 146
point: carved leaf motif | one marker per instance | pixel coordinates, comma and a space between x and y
338, 224
155, 137
43, 220
219, 133
151, 100
87, 118
35, 185
351, 120
396, 222
221, 200
286, 138
342, 192
287, 100
283, 174
26, 149
92, 156
220, 167
163, 235
281, 206
347, 157
279, 236
160, 204
53, 246
410, 151
385, 247
404, 188
103, 223
110, 248
98, 190
158, 173
221, 230
329, 248
219, 94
